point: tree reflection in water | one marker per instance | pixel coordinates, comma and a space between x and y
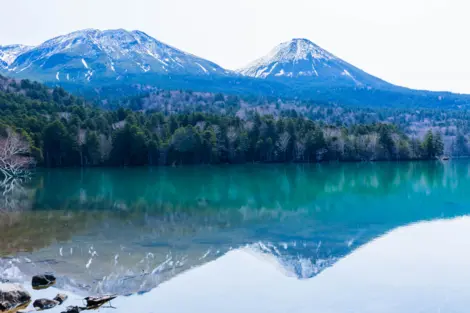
127, 230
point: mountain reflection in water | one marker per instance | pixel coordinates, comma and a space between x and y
129, 230
415, 268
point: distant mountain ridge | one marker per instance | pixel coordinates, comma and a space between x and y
87, 62
87, 55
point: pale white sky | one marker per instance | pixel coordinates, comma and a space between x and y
415, 43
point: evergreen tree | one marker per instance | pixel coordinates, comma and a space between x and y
428, 145
92, 149
438, 145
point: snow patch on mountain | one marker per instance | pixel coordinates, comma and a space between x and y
203, 68
21, 70
84, 63
281, 73
8, 54
346, 73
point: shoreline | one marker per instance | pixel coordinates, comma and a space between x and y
229, 165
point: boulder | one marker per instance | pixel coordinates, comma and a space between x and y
61, 298
13, 296
74, 309
43, 281
44, 304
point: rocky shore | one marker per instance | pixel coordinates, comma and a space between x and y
40, 296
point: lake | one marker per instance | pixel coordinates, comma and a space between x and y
383, 237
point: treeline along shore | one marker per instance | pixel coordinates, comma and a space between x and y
57, 129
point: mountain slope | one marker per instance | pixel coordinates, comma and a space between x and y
301, 59
116, 63
91, 55
9, 53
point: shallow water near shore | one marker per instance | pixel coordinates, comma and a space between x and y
385, 237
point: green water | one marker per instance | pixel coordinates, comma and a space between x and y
128, 230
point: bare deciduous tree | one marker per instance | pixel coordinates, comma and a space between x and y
201, 125
220, 140
81, 140
300, 149
14, 196
248, 126
283, 143
232, 136
14, 155
105, 146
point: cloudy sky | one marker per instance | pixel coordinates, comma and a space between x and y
415, 43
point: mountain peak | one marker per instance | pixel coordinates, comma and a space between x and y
301, 41
301, 58
93, 54
301, 49
281, 60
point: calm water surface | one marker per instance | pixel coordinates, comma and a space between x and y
386, 237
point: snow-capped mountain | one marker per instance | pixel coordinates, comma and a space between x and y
115, 63
301, 58
91, 54
8, 54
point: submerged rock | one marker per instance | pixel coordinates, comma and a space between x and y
44, 304
61, 298
13, 296
43, 281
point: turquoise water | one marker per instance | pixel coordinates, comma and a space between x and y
130, 231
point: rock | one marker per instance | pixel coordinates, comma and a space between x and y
44, 304
61, 298
74, 309
96, 302
13, 296
43, 281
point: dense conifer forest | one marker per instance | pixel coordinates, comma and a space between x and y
64, 130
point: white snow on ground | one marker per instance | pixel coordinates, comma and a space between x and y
266, 74
84, 63
203, 68
260, 71
25, 68
315, 70
88, 75
8, 54
146, 68
163, 62
346, 73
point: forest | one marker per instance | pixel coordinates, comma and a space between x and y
63, 130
